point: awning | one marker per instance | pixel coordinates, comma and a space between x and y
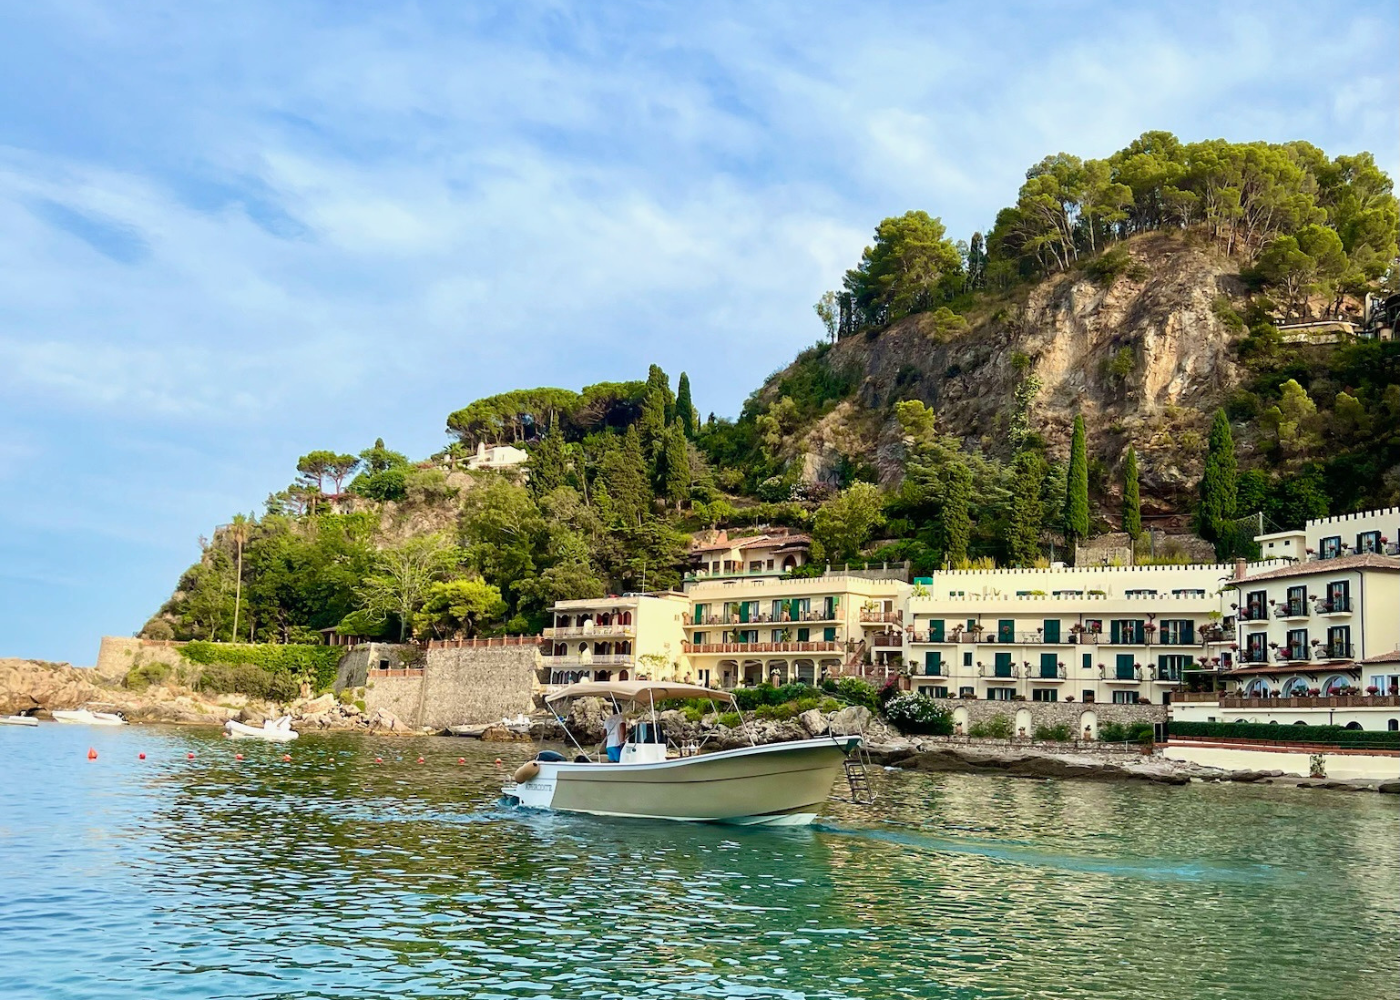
643, 692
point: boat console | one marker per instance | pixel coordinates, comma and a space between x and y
646, 744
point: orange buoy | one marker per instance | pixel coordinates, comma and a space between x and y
499, 763
92, 754
140, 756
286, 757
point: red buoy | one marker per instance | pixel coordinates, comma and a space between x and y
461, 760
420, 759
190, 755
92, 754
286, 756
238, 756
379, 760
140, 756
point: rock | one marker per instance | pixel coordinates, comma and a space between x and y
851, 720
503, 734
27, 685
585, 719
250, 716
813, 722
382, 720
1389, 788
1247, 776
316, 706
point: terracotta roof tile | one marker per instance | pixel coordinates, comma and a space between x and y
1314, 567
1392, 657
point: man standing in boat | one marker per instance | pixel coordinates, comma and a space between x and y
616, 729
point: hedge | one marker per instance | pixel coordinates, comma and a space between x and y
1281, 733
318, 662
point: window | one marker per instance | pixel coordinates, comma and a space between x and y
746, 635
1125, 697
770, 563
1338, 597
829, 634
1094, 626
1049, 666
1297, 602
1125, 631
699, 638
1087, 696
1052, 630
1178, 632
967, 659
966, 692
1088, 661
804, 635
1368, 541
1296, 648
935, 630
1006, 630
930, 691
1188, 593
1140, 593
1255, 647
778, 635
383, 664
1001, 694
1124, 668
1256, 606
1338, 643
700, 612
1003, 665
933, 664
1169, 668
1331, 546
1068, 593
1044, 694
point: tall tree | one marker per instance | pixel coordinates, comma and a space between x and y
1218, 480
675, 484
339, 467
956, 515
844, 523
238, 534
1132, 502
403, 575
548, 465
685, 409
1077, 486
458, 609
315, 466
1027, 511
828, 310
624, 474
904, 271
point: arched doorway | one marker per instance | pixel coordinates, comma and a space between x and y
1258, 688
1023, 723
1088, 725
1295, 687
960, 721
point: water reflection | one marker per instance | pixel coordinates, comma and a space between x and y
333, 876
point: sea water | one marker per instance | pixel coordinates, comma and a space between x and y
335, 876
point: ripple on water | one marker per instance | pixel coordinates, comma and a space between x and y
332, 876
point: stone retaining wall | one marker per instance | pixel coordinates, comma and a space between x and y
118, 654
455, 686
1030, 714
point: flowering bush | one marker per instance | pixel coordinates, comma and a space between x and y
917, 713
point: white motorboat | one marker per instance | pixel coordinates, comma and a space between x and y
18, 720
273, 730
778, 784
87, 717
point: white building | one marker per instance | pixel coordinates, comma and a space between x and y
497, 456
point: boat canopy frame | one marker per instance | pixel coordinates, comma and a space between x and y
639, 694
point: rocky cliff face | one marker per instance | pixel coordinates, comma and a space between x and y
1145, 358
29, 685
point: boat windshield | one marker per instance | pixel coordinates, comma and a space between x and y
638, 692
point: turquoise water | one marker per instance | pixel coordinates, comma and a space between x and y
333, 876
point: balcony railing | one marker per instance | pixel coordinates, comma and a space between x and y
883, 617
1292, 654
1254, 613
1335, 651
763, 619
739, 648
1291, 609
1341, 606
575, 631
1297, 701
1049, 673
585, 662
887, 640
1254, 656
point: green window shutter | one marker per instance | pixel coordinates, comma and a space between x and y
1049, 665
1006, 630
699, 638
933, 663
829, 634
1088, 660
1188, 633
1003, 665
1052, 630
700, 613
1115, 631
1125, 667
804, 635
935, 630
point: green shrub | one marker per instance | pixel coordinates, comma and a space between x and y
315, 663
779, 713
143, 675
829, 705
1329, 735
1109, 266
729, 720
1132, 732
917, 713
998, 727
806, 704
1059, 733
855, 691
245, 678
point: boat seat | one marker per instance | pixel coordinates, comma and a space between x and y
552, 756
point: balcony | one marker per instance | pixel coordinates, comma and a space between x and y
882, 617
1291, 609
1254, 656
764, 619
591, 632
1254, 613
754, 648
573, 661
1049, 674
1292, 654
1328, 609
887, 640
1335, 651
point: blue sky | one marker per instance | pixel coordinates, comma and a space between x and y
234, 232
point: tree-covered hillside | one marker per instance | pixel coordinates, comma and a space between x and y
1107, 354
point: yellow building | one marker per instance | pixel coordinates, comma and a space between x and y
632, 637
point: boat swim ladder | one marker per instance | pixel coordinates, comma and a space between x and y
858, 777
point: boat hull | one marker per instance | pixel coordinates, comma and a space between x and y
18, 720
781, 784
272, 734
85, 718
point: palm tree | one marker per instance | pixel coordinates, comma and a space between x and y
238, 531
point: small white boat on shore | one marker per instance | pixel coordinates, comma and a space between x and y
273, 730
87, 717
777, 784
18, 720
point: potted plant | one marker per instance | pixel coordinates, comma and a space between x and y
1372, 690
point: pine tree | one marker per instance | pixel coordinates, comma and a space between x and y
956, 515
1218, 480
1027, 512
1132, 502
625, 476
675, 485
685, 409
1077, 487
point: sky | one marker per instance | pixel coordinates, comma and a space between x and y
234, 232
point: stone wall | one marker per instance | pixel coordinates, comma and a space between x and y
118, 654
1030, 714
453, 687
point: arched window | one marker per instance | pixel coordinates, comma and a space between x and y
1295, 687
1353, 725
1393, 725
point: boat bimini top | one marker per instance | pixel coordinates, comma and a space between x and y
637, 692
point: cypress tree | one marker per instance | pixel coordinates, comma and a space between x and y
1027, 512
957, 513
1132, 502
625, 476
548, 465
676, 458
1218, 480
1077, 487
685, 409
